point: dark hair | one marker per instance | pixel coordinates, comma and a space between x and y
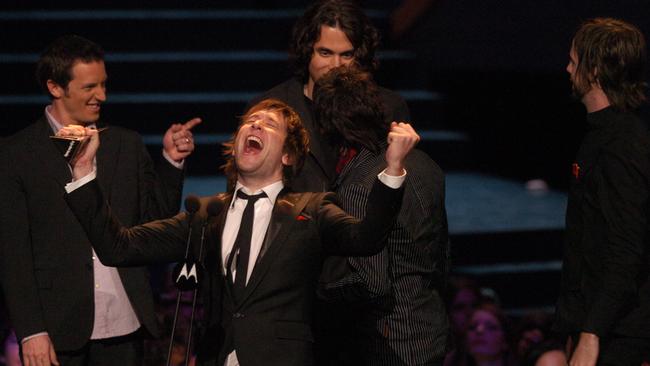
60, 56
296, 143
347, 109
346, 15
612, 53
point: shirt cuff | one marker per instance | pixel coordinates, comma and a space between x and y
80, 182
393, 181
171, 161
33, 336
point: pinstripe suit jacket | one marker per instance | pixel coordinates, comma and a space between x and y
402, 319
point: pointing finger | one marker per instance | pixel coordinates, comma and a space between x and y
191, 123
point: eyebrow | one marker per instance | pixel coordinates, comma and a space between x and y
351, 50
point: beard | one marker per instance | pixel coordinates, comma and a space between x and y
578, 90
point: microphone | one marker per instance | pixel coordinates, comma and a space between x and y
185, 274
214, 208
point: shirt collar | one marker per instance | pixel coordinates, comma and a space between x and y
272, 191
54, 124
602, 118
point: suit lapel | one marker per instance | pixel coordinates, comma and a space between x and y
44, 149
218, 235
352, 166
107, 160
285, 211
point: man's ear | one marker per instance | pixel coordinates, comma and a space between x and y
287, 159
55, 89
594, 79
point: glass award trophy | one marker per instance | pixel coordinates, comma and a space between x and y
70, 146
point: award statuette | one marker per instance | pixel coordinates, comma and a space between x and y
70, 146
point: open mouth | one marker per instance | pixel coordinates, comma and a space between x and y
253, 144
94, 106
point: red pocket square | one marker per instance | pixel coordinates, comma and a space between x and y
575, 170
302, 218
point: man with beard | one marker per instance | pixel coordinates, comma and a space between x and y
329, 34
604, 304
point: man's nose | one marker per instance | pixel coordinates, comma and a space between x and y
336, 61
101, 94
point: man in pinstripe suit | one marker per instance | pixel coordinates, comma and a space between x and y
393, 299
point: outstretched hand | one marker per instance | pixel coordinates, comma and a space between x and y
402, 138
178, 141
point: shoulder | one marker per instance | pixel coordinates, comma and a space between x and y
395, 107
390, 95
34, 133
283, 91
27, 133
631, 139
309, 201
425, 181
418, 163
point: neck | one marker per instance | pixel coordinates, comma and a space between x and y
255, 184
308, 89
595, 100
57, 112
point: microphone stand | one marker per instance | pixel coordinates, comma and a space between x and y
192, 205
191, 269
189, 334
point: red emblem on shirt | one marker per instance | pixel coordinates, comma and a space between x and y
575, 170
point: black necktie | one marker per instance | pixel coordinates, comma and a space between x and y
243, 244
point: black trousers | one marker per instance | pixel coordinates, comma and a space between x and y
126, 350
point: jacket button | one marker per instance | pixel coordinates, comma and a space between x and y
237, 315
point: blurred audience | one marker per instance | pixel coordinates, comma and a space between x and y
11, 350
464, 295
533, 329
487, 340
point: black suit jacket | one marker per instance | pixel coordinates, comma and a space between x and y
319, 171
271, 325
400, 316
46, 257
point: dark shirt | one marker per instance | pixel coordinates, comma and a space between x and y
605, 283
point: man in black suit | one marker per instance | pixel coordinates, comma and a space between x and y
393, 299
330, 33
604, 304
64, 305
261, 288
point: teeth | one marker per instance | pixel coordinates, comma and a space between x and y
255, 139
